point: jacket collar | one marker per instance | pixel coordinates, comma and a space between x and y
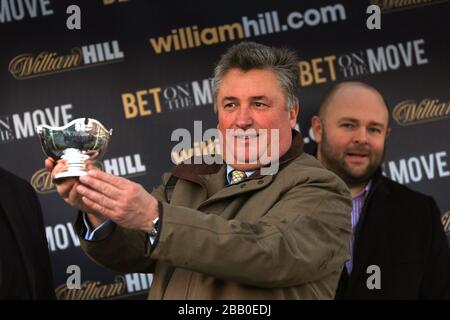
382, 196
377, 180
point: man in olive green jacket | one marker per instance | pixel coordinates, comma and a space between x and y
228, 230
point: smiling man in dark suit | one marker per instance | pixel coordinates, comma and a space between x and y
397, 232
25, 271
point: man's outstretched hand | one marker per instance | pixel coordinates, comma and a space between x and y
104, 196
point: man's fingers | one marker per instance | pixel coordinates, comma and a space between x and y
102, 187
73, 194
96, 207
49, 164
64, 186
59, 167
91, 166
117, 182
96, 197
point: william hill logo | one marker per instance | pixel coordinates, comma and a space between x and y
28, 65
410, 112
124, 286
129, 166
395, 5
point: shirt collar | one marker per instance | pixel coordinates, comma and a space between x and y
363, 193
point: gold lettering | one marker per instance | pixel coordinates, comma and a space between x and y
446, 221
42, 181
330, 60
208, 147
209, 36
142, 103
155, 92
232, 29
306, 77
316, 71
92, 290
26, 65
409, 112
135, 104
437, 110
398, 4
129, 105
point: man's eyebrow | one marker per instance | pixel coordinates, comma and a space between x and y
348, 119
372, 123
378, 124
253, 98
259, 98
230, 98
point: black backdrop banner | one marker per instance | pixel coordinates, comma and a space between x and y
144, 69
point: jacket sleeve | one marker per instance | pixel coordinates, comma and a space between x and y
122, 250
436, 280
304, 237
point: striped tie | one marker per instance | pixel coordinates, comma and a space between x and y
237, 176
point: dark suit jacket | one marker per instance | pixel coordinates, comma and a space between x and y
400, 231
23, 212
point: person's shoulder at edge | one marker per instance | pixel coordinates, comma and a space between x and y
11, 179
307, 168
408, 197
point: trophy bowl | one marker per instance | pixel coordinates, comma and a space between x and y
77, 142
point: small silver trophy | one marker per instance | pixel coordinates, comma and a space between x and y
78, 141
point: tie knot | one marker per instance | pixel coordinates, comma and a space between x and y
237, 176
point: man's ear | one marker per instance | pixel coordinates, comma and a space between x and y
316, 126
388, 133
293, 114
